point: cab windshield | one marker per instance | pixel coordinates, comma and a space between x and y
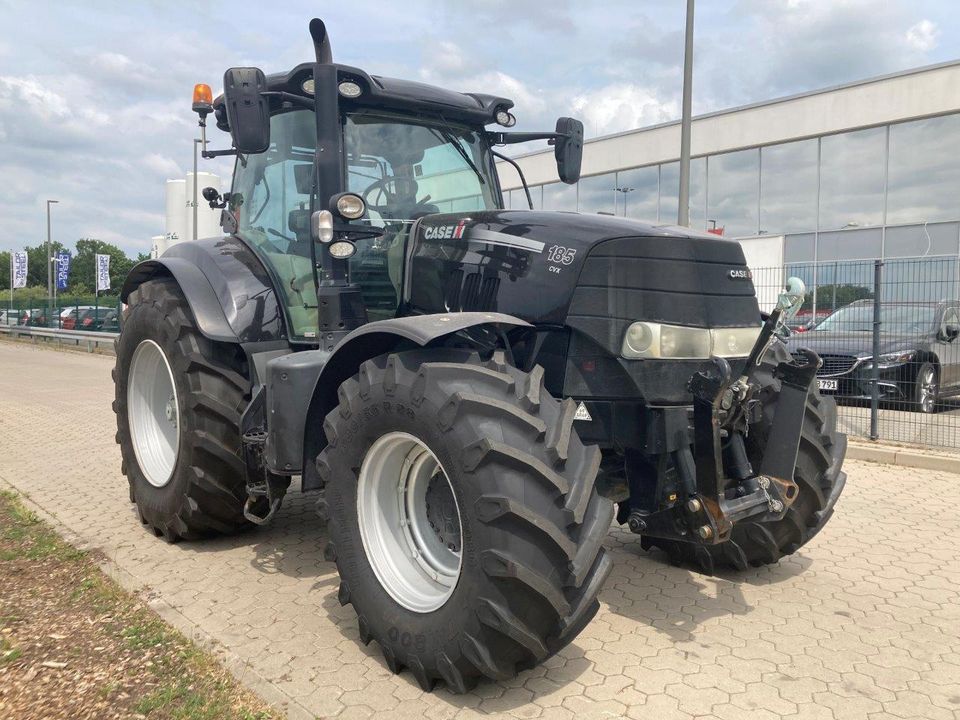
406, 168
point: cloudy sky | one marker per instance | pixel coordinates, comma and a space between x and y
95, 96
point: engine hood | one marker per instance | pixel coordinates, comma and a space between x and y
536, 264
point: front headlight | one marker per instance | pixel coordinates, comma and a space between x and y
733, 342
656, 340
890, 359
900, 356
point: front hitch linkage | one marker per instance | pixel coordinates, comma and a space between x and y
708, 514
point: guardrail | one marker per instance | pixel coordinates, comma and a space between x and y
78, 338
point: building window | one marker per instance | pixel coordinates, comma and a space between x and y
637, 193
924, 171
799, 248
921, 240
559, 196
788, 187
862, 244
670, 192
518, 198
595, 194
852, 178
732, 189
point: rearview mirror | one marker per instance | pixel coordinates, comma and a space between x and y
248, 113
951, 332
568, 150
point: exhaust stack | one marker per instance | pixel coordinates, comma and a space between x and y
321, 41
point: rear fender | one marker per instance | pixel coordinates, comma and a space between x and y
302, 387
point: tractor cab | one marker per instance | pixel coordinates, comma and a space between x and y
334, 166
400, 167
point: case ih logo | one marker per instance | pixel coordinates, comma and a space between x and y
445, 232
740, 274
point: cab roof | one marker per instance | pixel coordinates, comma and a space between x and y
400, 95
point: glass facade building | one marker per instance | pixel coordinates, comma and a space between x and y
889, 191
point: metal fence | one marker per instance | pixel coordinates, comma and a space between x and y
887, 332
93, 313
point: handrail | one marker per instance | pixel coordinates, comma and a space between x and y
90, 337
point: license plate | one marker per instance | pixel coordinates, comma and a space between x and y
827, 384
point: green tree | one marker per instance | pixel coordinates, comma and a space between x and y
83, 268
836, 296
5, 270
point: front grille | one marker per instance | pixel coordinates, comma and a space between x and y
472, 292
832, 364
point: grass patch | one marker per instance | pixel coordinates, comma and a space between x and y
30, 536
192, 702
55, 603
147, 634
8, 653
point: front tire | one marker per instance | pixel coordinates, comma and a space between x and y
178, 400
524, 525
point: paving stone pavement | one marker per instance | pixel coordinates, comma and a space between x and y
862, 623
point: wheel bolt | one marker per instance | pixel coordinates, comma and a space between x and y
694, 505
705, 532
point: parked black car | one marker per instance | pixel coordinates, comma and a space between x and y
919, 359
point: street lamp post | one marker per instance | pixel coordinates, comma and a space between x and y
683, 212
195, 181
49, 256
625, 190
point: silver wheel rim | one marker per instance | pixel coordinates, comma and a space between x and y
409, 522
928, 389
153, 413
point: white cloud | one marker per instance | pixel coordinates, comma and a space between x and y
448, 57
923, 36
28, 94
162, 165
620, 107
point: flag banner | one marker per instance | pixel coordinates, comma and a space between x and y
63, 270
19, 260
103, 272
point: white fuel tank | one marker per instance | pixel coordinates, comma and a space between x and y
175, 229
208, 219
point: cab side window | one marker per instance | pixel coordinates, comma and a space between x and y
270, 201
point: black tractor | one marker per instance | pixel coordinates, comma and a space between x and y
475, 393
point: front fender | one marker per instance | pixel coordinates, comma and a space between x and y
302, 387
229, 291
203, 302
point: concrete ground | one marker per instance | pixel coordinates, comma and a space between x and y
862, 623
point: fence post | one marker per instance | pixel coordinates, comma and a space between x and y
875, 371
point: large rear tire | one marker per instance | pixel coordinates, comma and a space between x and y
818, 476
178, 402
525, 525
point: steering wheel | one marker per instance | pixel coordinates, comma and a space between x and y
393, 207
381, 188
